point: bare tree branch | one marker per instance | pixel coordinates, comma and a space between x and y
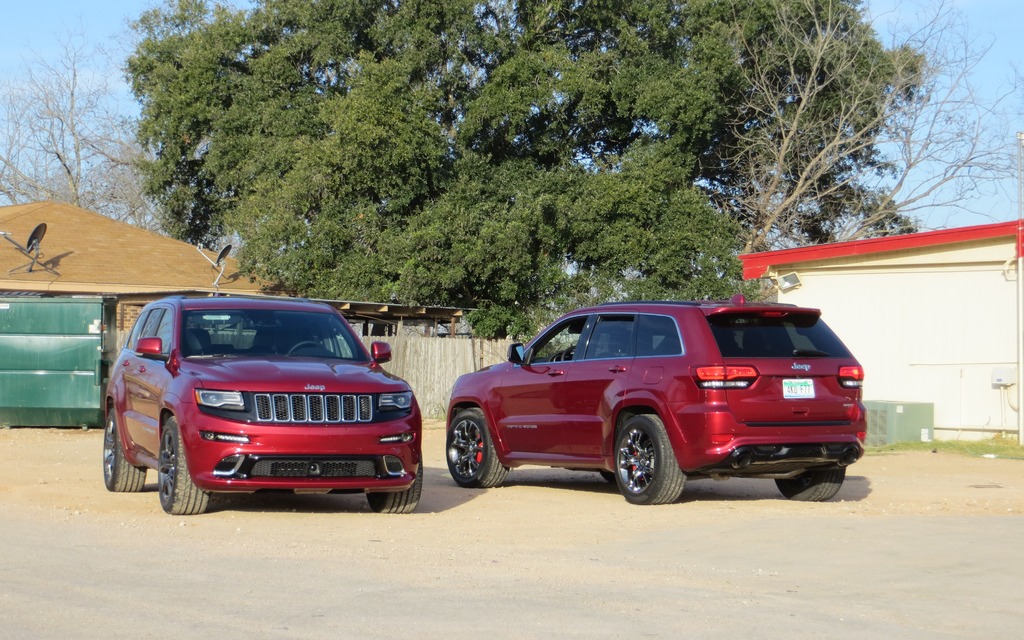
840, 138
65, 137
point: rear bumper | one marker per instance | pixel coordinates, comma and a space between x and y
713, 442
784, 460
227, 456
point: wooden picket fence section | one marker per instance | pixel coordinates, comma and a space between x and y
431, 365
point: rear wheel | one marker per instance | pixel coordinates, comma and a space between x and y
398, 501
646, 469
118, 474
813, 486
472, 460
179, 496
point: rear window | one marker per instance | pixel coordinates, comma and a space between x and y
756, 335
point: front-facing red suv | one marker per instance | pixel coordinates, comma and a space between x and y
232, 394
651, 393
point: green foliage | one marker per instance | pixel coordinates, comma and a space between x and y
518, 158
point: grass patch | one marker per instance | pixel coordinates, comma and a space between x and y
999, 446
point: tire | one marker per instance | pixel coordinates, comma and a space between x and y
813, 486
118, 475
472, 460
646, 470
398, 501
179, 496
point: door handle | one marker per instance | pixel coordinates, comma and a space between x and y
617, 368
556, 372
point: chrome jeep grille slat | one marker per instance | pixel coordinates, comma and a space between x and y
299, 407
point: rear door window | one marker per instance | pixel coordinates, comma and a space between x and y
775, 335
612, 337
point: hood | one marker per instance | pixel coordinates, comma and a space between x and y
291, 375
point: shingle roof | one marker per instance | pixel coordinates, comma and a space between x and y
85, 252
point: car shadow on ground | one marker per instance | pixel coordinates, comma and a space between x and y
440, 494
855, 488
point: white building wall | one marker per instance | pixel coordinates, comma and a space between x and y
928, 325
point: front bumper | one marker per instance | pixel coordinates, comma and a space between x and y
229, 456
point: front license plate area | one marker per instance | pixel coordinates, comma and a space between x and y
797, 388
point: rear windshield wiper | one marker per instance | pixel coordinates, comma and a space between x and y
809, 353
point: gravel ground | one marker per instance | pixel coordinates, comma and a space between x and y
916, 545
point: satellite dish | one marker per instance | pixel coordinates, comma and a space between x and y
218, 263
36, 237
31, 248
223, 254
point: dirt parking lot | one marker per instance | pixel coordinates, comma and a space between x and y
916, 545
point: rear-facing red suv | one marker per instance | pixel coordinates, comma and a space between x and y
651, 393
232, 394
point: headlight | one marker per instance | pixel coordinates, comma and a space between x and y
395, 401
220, 399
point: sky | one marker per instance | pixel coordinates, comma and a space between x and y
32, 30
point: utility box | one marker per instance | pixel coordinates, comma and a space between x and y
891, 421
55, 355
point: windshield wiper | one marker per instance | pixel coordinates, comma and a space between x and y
809, 353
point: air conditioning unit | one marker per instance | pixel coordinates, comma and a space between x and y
892, 421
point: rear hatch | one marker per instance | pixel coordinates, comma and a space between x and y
785, 366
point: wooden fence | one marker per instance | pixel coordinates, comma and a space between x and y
431, 365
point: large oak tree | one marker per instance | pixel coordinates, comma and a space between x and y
517, 157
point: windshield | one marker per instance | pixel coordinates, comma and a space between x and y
261, 332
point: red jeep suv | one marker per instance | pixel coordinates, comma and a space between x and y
232, 394
650, 393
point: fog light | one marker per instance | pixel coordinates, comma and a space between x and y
394, 466
229, 466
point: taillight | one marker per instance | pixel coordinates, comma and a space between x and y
725, 377
852, 377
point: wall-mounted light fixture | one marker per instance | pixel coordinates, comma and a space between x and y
788, 281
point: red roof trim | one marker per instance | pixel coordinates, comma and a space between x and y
755, 265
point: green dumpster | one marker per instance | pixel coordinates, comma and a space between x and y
55, 354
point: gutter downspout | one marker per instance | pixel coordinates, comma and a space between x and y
1020, 287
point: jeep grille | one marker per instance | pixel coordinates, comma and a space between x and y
282, 407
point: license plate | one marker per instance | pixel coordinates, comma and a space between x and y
798, 388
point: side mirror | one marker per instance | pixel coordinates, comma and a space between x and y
516, 353
381, 352
151, 347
